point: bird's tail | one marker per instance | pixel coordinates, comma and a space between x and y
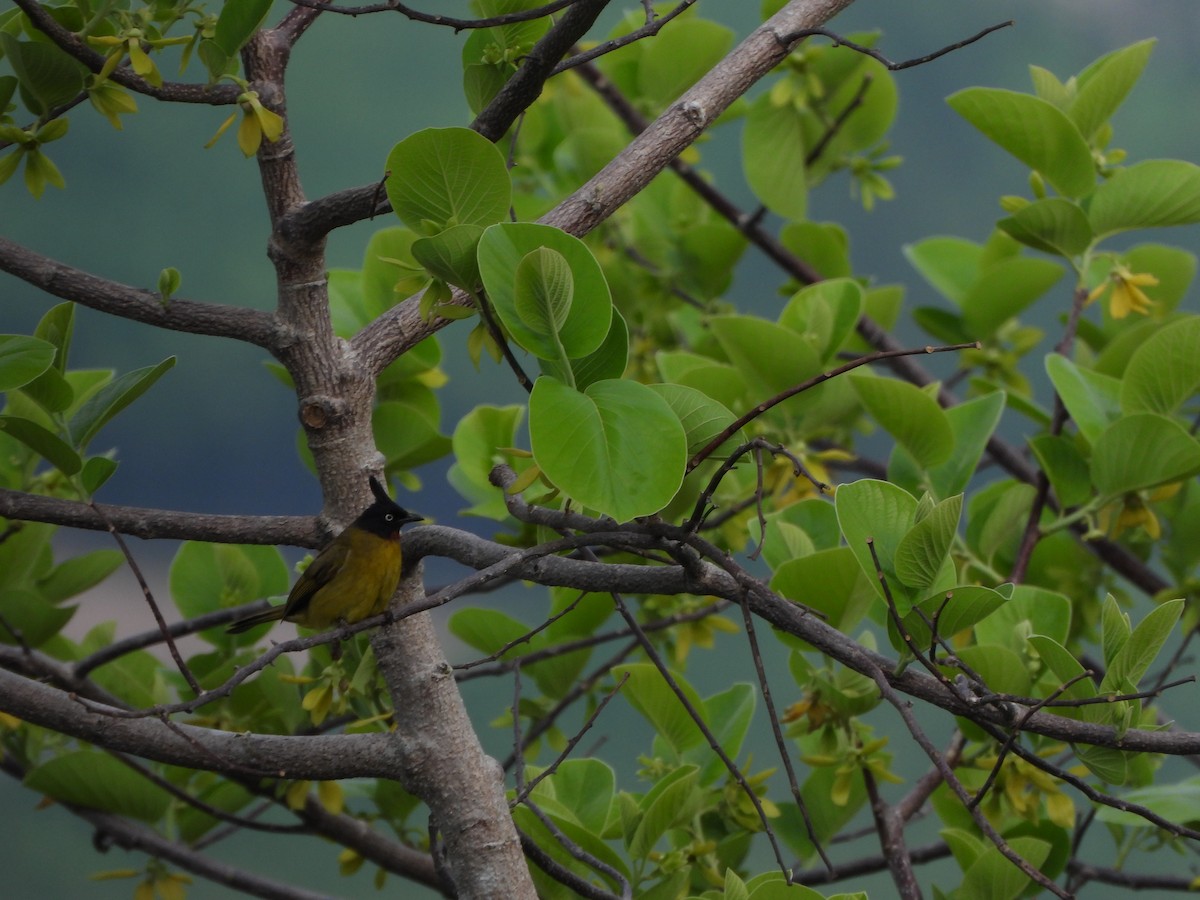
274, 614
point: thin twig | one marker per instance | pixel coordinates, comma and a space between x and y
839, 41
780, 743
748, 417
151, 602
713, 743
571, 744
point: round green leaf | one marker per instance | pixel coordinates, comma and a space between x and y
442, 177
1142, 451
543, 292
1034, 131
501, 250
617, 447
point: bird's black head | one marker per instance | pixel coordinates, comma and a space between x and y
384, 517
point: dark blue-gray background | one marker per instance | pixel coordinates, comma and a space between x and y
217, 434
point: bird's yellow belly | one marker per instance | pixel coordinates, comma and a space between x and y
360, 591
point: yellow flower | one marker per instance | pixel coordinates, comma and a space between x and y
1133, 511
1127, 293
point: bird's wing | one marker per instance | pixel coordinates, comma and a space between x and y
319, 573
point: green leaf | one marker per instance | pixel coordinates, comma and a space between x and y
591, 445
728, 715
1034, 131
686, 52
501, 251
1003, 290
1065, 466
672, 800
487, 630
949, 264
870, 510
1178, 802
543, 291
1028, 611
237, 23
909, 415
406, 435
1141, 451
607, 361
78, 574
829, 581
1165, 370
95, 472
825, 313
22, 359
45, 443
1066, 669
647, 692
921, 553
51, 391
47, 75
95, 780
972, 424
33, 618
227, 796
587, 787
207, 577
702, 417
824, 245
768, 355
992, 877
773, 158
390, 273
1000, 668
955, 610
440, 177
450, 255
1142, 647
1052, 225
994, 528
111, 399
1103, 85
58, 326
1092, 399
476, 442
1153, 194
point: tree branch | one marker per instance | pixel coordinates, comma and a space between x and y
176, 92
60, 280
295, 531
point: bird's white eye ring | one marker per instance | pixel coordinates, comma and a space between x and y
389, 516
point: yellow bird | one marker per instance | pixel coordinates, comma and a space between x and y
353, 578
